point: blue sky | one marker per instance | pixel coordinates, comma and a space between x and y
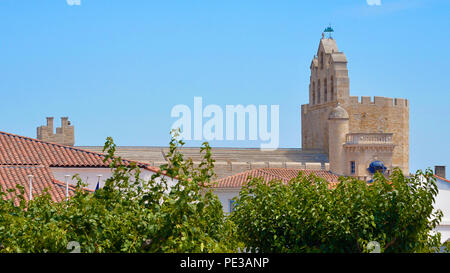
117, 68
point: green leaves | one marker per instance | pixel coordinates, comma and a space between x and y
309, 215
305, 215
128, 214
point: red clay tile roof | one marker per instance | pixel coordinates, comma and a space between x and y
20, 150
12, 175
21, 156
441, 178
268, 174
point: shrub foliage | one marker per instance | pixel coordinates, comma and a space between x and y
127, 215
130, 214
310, 215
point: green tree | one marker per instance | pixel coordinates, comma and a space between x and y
311, 215
128, 214
308, 214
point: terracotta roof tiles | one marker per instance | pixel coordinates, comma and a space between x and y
20, 150
21, 156
268, 174
442, 179
13, 175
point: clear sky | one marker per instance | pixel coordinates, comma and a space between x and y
117, 68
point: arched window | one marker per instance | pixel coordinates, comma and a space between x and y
332, 88
321, 60
313, 91
318, 91
325, 90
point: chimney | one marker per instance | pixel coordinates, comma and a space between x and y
439, 171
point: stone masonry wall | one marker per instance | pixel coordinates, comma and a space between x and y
64, 135
383, 115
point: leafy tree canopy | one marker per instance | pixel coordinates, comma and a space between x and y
308, 214
127, 215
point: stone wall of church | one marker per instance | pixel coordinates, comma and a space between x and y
315, 126
363, 156
329, 85
383, 115
228, 161
380, 115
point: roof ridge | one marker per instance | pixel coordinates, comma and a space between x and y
264, 170
442, 178
295, 169
236, 174
146, 165
51, 143
279, 176
284, 174
278, 168
21, 164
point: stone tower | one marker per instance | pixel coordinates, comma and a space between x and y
338, 123
329, 83
64, 135
378, 121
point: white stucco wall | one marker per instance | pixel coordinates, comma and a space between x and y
225, 195
90, 175
442, 202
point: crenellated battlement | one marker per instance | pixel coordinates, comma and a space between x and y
64, 135
379, 101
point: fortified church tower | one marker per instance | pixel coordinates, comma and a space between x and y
354, 132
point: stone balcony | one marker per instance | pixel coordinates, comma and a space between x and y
369, 139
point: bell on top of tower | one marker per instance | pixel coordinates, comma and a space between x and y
328, 30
